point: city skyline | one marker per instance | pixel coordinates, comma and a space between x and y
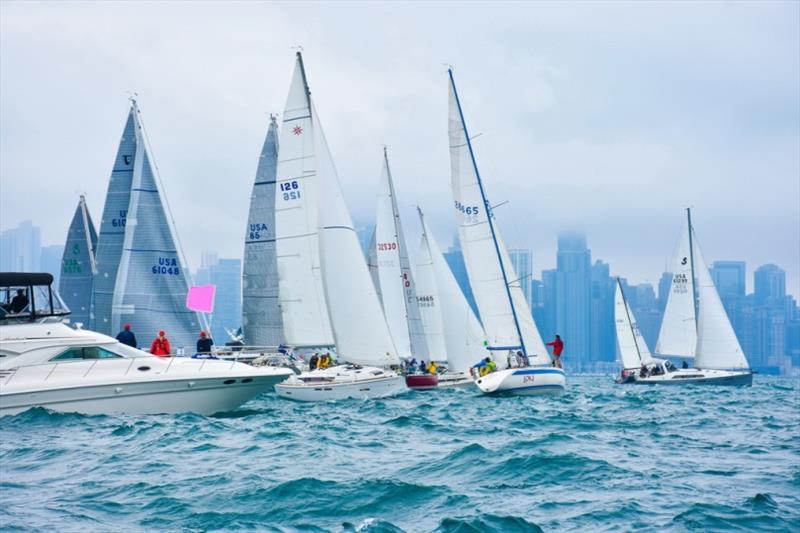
597, 138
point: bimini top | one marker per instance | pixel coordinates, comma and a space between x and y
28, 296
9, 279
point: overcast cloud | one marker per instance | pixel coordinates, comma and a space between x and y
603, 117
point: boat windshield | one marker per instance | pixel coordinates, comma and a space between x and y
25, 297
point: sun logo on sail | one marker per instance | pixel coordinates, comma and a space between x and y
297, 130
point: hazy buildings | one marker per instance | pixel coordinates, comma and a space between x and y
455, 260
226, 274
573, 309
522, 261
20, 248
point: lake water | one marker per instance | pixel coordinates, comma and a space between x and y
600, 458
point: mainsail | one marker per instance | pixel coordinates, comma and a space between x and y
633, 349
261, 313
451, 328
505, 313
302, 298
395, 279
152, 280
112, 229
678, 334
78, 265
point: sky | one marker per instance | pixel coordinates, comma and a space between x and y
604, 117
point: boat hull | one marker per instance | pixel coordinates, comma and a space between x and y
462, 380
345, 385
422, 381
694, 376
205, 396
524, 382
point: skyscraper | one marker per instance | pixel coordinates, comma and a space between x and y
522, 261
573, 293
770, 284
603, 332
455, 260
20, 248
729, 278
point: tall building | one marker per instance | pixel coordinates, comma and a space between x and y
664, 285
603, 331
226, 274
547, 319
20, 248
729, 278
574, 293
769, 282
522, 261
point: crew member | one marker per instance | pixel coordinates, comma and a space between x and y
18, 302
160, 346
126, 336
204, 343
558, 347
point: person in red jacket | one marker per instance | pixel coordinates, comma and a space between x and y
160, 346
558, 347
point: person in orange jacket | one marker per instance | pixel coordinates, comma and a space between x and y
558, 347
160, 346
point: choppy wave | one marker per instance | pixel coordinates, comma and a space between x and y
599, 458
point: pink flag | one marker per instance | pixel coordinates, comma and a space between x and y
201, 298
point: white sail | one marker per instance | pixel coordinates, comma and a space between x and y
372, 263
261, 312
360, 329
678, 334
443, 302
506, 317
633, 349
396, 281
302, 297
717, 345
152, 280
78, 265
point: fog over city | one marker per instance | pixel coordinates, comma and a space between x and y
608, 119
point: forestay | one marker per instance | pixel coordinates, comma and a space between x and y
633, 349
78, 265
360, 329
678, 334
717, 345
505, 313
152, 280
395, 279
112, 229
443, 302
262, 324
297, 206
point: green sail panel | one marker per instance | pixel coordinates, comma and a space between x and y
78, 265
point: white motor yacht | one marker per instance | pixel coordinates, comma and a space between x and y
341, 382
44, 362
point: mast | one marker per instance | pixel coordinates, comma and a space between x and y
395, 220
630, 322
305, 83
691, 265
488, 208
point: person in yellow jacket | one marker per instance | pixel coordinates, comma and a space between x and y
325, 361
432, 368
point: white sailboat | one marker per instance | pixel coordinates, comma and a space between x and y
695, 326
327, 296
451, 327
504, 311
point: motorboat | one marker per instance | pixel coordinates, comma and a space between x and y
46, 363
341, 382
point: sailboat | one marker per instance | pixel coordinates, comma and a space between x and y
452, 331
141, 276
506, 317
78, 265
696, 326
261, 314
633, 351
394, 280
327, 296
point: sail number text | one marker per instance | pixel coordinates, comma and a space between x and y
386, 246
290, 190
470, 212
167, 266
255, 231
120, 222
